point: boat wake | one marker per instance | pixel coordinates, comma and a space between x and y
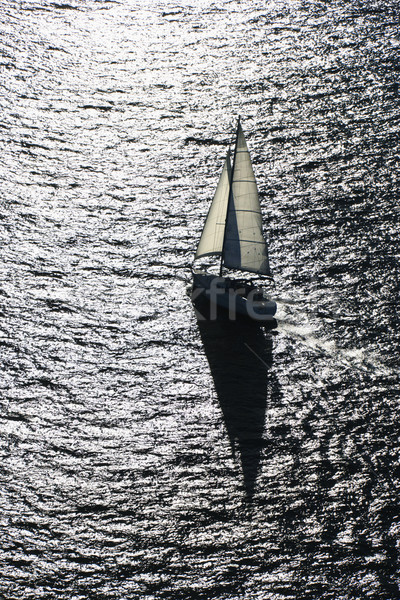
359, 359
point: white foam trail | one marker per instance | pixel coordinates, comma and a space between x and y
353, 358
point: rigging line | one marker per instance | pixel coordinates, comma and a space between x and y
257, 355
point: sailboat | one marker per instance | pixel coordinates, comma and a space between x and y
233, 232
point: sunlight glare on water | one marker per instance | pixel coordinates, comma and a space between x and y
145, 454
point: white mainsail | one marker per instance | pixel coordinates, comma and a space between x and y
212, 238
244, 246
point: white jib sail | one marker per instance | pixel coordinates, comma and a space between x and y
212, 238
244, 246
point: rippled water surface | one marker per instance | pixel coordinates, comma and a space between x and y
148, 455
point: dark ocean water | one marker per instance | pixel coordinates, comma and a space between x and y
144, 454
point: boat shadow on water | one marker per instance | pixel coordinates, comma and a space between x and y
240, 355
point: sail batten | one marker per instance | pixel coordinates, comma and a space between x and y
257, 212
251, 241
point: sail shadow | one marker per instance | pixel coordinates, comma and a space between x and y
240, 355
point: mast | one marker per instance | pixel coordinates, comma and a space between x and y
230, 194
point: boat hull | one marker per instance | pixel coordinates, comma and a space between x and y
238, 298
